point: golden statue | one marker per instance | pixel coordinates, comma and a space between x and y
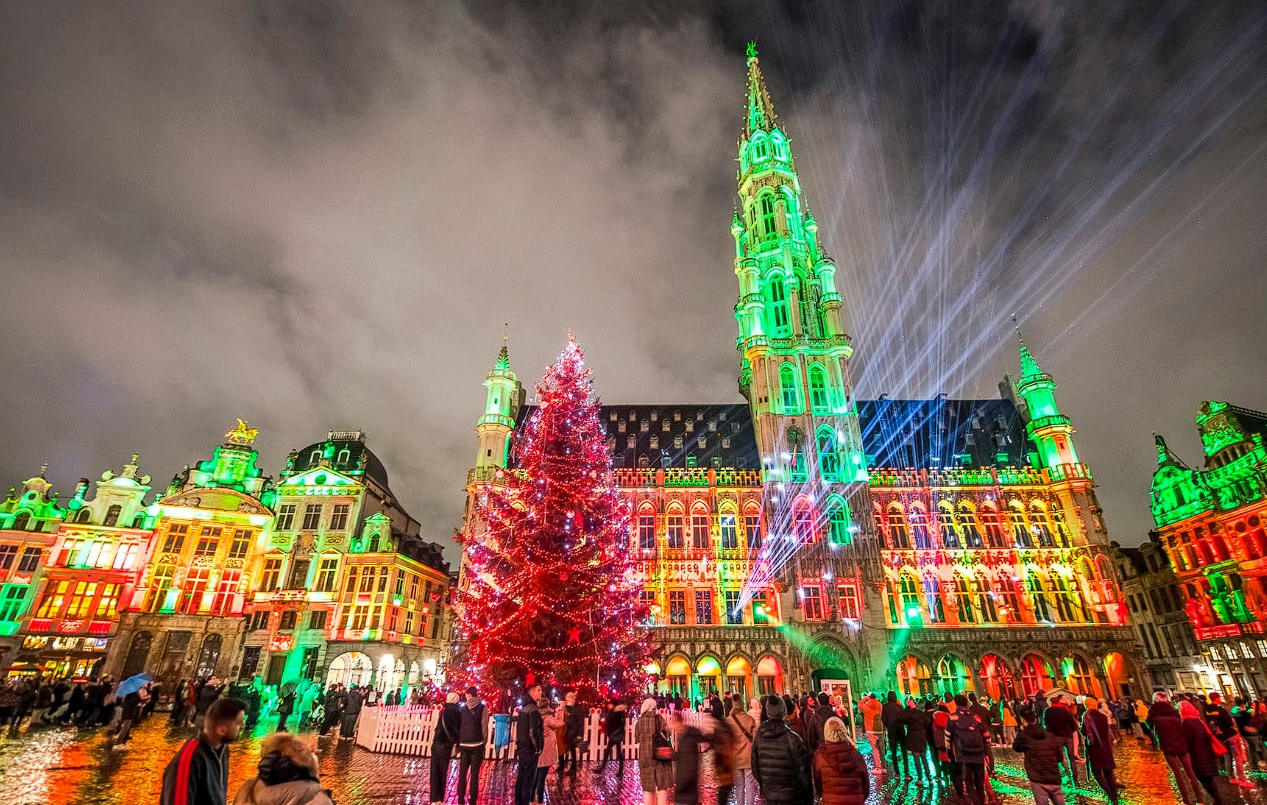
242, 433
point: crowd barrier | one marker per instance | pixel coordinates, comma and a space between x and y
407, 730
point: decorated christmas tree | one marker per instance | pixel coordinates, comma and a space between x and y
550, 595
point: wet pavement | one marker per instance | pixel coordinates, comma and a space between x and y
62, 765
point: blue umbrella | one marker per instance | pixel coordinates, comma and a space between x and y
132, 684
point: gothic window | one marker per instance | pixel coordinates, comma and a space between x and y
828, 455
984, 599
995, 534
699, 528
752, 526
1038, 524
767, 215
803, 524
818, 389
780, 146
919, 528
646, 529
1020, 531
932, 594
968, 523
778, 307
112, 516
1038, 597
760, 148
729, 530
676, 528
946, 520
908, 590
796, 450
838, 522
961, 587
812, 602
899, 536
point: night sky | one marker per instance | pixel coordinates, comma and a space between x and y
319, 216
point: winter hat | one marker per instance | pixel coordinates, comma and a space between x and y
452, 698
834, 731
774, 707
1161, 696
648, 704
285, 758
1188, 710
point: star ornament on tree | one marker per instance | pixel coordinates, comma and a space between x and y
574, 635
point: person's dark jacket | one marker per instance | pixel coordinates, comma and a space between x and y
207, 695
529, 730
1221, 722
842, 774
448, 725
1059, 722
813, 729
286, 705
198, 775
474, 728
956, 726
1164, 720
1200, 747
781, 765
891, 718
573, 725
1042, 754
916, 722
614, 723
355, 700
686, 769
1099, 752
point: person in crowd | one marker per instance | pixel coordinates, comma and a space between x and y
1253, 733
335, 700
1139, 725
448, 727
551, 730
1059, 721
756, 709
1167, 730
688, 741
131, 712
1007, 714
288, 774
1200, 742
655, 760
968, 738
614, 721
572, 735
354, 700
472, 738
1042, 753
529, 743
872, 725
285, 706
838, 768
722, 743
895, 734
1224, 728
1098, 734
744, 728
780, 761
915, 736
199, 773
208, 693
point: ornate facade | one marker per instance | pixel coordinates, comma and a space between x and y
1154, 597
1212, 523
806, 535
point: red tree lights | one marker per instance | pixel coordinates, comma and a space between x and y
549, 594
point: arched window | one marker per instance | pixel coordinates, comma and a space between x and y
1059, 528
760, 148
962, 589
700, 540
1038, 524
646, 528
112, 515
968, 524
675, 527
1009, 598
818, 389
789, 387
995, 534
1020, 531
908, 592
83, 515
778, 307
899, 537
767, 215
796, 452
828, 455
1038, 597
984, 599
838, 522
919, 528
803, 524
932, 594
913, 677
345, 456
946, 520
780, 146
752, 526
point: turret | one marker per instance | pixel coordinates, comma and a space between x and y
1047, 426
504, 396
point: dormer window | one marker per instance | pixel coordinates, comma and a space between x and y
345, 456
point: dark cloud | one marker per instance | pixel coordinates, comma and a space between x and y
319, 215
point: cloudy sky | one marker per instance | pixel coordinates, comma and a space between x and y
318, 215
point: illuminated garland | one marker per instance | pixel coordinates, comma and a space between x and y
551, 595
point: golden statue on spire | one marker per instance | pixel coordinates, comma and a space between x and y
242, 433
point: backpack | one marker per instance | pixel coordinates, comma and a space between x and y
969, 737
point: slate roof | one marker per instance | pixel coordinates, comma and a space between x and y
918, 434
309, 457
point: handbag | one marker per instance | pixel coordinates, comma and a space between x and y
1220, 749
662, 747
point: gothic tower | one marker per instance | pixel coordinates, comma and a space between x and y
795, 376
505, 394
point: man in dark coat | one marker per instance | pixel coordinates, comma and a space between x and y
614, 721
686, 768
916, 723
573, 734
199, 773
472, 737
969, 739
1061, 723
355, 699
1099, 737
1042, 751
285, 706
1167, 730
529, 741
780, 761
895, 734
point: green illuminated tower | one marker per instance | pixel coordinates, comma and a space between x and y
501, 404
795, 373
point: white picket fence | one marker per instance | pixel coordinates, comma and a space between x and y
406, 730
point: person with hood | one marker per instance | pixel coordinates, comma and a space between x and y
655, 769
839, 770
1099, 741
969, 741
614, 721
199, 773
529, 743
722, 743
1200, 742
288, 775
872, 711
687, 740
744, 730
448, 728
1167, 730
1041, 751
780, 761
472, 738
915, 729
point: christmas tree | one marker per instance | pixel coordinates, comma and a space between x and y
550, 595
